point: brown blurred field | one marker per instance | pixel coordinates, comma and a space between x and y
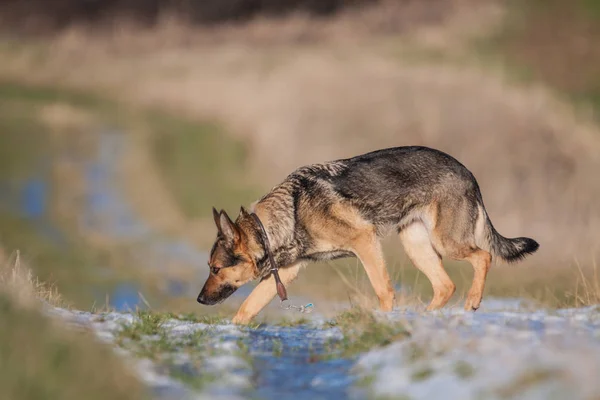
218, 110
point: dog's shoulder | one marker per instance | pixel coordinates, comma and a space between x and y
322, 170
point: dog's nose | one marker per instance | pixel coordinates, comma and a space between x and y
201, 299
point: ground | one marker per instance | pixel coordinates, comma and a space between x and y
501, 351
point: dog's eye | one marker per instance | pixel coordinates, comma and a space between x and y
214, 270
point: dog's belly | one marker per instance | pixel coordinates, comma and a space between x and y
328, 255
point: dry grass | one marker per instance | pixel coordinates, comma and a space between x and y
336, 285
550, 37
587, 290
40, 359
319, 90
295, 104
18, 280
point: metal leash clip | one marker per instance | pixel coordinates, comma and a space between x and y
307, 309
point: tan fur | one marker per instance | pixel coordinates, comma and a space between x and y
425, 241
368, 249
342, 229
263, 293
481, 261
355, 234
236, 276
419, 249
435, 235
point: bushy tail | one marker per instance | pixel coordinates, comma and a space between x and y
509, 250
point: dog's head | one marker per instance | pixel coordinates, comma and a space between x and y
231, 263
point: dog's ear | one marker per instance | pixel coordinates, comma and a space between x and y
217, 218
243, 211
228, 228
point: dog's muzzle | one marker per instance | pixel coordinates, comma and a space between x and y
223, 293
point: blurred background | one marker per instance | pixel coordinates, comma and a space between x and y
122, 122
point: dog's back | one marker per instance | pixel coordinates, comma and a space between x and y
388, 186
396, 187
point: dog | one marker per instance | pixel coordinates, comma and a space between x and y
343, 208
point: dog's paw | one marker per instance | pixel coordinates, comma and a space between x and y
240, 320
472, 305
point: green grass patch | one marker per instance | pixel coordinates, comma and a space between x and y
277, 348
42, 361
147, 323
23, 142
363, 332
204, 319
147, 337
46, 94
464, 370
189, 378
202, 166
422, 374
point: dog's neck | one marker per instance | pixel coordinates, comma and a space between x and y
283, 246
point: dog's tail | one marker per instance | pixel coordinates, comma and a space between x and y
509, 250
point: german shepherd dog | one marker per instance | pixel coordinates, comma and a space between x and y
343, 208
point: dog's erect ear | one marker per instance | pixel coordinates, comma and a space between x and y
228, 228
243, 211
217, 218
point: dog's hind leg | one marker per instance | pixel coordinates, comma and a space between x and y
263, 293
368, 250
418, 247
481, 260
456, 227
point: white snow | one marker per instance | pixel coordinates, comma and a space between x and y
224, 362
490, 354
507, 349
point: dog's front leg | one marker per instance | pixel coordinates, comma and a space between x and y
263, 293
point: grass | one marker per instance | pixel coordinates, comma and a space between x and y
38, 94
204, 319
363, 331
553, 286
464, 370
43, 360
202, 166
18, 280
422, 374
147, 323
277, 348
554, 42
77, 270
23, 133
147, 337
